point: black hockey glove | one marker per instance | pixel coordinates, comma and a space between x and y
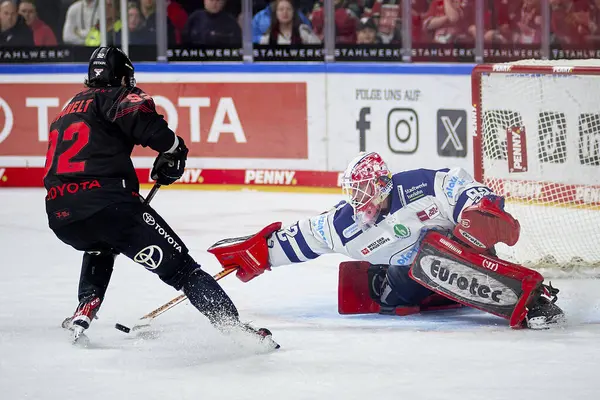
168, 167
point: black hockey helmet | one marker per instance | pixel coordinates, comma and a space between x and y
108, 66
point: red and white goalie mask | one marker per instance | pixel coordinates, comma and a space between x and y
367, 182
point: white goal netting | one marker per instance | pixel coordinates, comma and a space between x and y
540, 147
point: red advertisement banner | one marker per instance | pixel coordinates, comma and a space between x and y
230, 120
32, 177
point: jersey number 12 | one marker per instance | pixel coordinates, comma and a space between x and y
79, 134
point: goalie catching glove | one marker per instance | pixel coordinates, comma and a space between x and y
486, 223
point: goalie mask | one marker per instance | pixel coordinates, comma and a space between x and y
367, 182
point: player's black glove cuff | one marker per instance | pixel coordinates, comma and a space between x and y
168, 167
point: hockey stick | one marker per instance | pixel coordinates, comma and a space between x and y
152, 193
167, 306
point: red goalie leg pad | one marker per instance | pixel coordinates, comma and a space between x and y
354, 294
249, 254
353, 291
484, 224
475, 280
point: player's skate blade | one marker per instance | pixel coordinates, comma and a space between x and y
79, 338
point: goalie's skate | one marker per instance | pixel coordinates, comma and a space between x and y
543, 312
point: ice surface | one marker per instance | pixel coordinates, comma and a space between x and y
451, 355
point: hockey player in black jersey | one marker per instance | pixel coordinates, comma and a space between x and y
93, 202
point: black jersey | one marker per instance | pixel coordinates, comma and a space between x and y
88, 164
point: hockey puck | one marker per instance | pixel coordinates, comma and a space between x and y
122, 328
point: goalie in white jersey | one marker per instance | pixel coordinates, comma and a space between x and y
423, 239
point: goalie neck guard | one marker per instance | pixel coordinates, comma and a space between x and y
367, 182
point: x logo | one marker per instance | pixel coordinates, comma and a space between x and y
451, 131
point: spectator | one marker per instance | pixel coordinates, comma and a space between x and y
345, 23
529, 24
448, 21
391, 29
212, 26
286, 27
148, 9
113, 27
366, 33
178, 18
262, 22
570, 23
13, 29
82, 16
594, 37
138, 35
42, 34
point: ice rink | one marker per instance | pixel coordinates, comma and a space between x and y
458, 355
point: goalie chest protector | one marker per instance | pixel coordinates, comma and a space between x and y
475, 280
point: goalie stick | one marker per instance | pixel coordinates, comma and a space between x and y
146, 319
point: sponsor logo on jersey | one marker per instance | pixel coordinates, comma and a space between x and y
351, 231
376, 245
465, 223
269, 177
415, 192
465, 282
471, 238
71, 188
452, 183
429, 213
407, 257
150, 257
318, 226
149, 220
401, 231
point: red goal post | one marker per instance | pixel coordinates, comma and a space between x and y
536, 140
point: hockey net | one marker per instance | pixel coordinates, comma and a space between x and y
537, 142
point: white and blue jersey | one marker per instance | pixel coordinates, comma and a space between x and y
420, 200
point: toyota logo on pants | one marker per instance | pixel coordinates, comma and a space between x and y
150, 257
149, 219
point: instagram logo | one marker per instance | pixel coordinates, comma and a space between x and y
403, 130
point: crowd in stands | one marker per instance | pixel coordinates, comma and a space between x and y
218, 22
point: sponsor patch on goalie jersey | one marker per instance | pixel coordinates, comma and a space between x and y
376, 245
351, 231
452, 183
429, 213
401, 231
465, 282
318, 225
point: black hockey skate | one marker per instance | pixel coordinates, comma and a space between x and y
82, 318
543, 313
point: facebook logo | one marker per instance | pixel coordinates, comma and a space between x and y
362, 125
452, 133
